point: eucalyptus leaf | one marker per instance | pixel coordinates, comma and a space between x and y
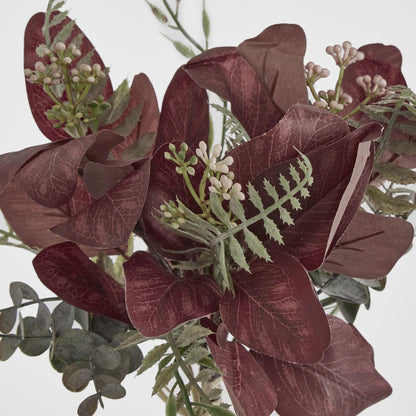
88, 406
7, 319
107, 327
36, 340
346, 288
82, 317
113, 391
19, 291
77, 345
77, 376
62, 317
8, 346
43, 317
106, 357
349, 310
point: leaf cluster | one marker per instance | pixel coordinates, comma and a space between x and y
83, 347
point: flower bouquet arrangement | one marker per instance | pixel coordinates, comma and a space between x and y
267, 211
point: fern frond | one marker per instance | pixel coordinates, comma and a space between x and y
53, 17
235, 132
302, 178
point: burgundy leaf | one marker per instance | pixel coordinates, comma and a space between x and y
250, 389
106, 141
275, 310
228, 74
39, 101
343, 383
158, 301
305, 128
165, 185
32, 221
277, 56
10, 163
370, 247
341, 172
108, 221
99, 178
51, 177
69, 273
141, 93
379, 60
184, 116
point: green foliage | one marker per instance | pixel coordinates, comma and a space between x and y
396, 174
53, 17
164, 376
152, 357
388, 204
235, 132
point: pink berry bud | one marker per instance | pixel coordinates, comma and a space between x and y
40, 67
60, 46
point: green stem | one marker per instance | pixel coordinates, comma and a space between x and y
185, 369
339, 83
313, 91
180, 27
224, 120
359, 107
33, 302
387, 132
191, 188
184, 394
52, 96
82, 96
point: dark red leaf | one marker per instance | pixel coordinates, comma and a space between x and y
370, 247
39, 101
10, 163
275, 310
250, 389
108, 221
99, 178
343, 383
51, 177
158, 301
341, 172
32, 221
69, 273
305, 128
277, 56
184, 116
141, 93
228, 74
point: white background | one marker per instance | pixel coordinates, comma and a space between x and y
127, 37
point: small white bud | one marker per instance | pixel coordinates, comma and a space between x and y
75, 79
57, 74
91, 80
85, 68
40, 67
33, 78
54, 59
96, 67
216, 151
47, 80
67, 60
101, 74
77, 53
60, 46
28, 72
56, 81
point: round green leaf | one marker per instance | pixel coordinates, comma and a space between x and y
19, 291
36, 340
77, 376
63, 317
7, 347
113, 391
88, 406
7, 319
106, 357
